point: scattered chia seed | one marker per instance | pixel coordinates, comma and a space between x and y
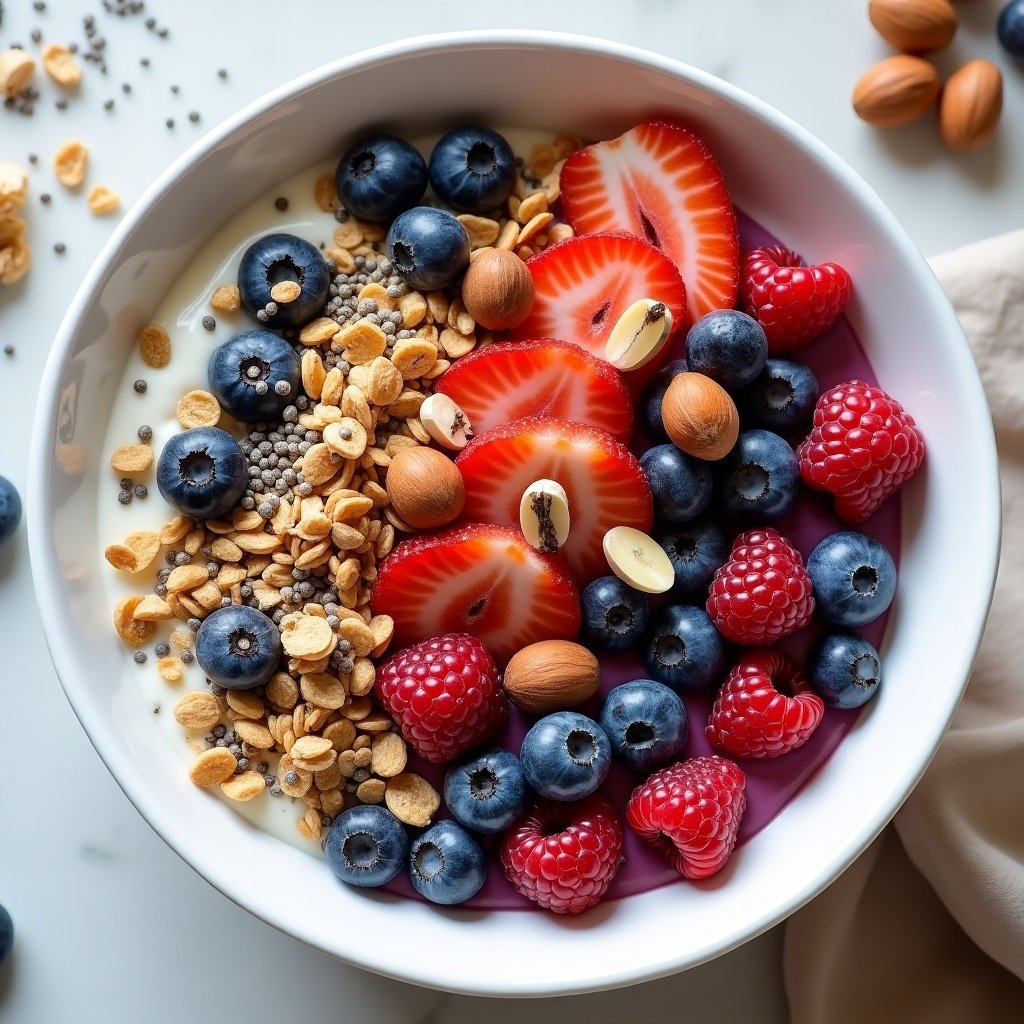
45, 198
222, 72
163, 33
140, 386
281, 203
156, 710
126, 483
33, 158
144, 61
182, 558
175, 89
125, 497
193, 116
262, 768
275, 790
126, 87
60, 248
140, 657
194, 624
8, 350
187, 656
38, 5
161, 651
209, 323
150, 23
140, 491
145, 433
169, 122
108, 105
218, 732
36, 35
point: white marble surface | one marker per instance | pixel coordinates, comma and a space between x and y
111, 926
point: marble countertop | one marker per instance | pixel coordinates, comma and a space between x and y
110, 926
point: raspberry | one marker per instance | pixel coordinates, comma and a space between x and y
792, 302
563, 856
765, 707
862, 447
444, 695
763, 592
690, 813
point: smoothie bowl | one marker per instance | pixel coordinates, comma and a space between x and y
253, 453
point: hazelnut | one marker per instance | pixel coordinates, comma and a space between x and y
551, 675
425, 487
699, 416
497, 290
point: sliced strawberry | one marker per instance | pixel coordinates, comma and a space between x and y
479, 579
661, 182
513, 380
584, 284
602, 479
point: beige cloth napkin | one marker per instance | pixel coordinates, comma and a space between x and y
927, 927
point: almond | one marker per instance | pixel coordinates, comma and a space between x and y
915, 26
971, 104
551, 675
895, 91
699, 416
497, 290
425, 487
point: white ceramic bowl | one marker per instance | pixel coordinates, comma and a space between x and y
797, 189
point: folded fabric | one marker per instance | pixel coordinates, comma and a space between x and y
927, 927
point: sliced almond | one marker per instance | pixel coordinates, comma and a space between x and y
544, 515
446, 423
639, 334
638, 560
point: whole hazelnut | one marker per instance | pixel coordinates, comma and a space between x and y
699, 416
497, 290
425, 487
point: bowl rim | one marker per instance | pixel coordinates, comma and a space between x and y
46, 575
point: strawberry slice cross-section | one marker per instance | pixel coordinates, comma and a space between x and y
514, 380
584, 284
479, 579
602, 480
661, 182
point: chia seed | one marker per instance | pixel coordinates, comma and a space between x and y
209, 323
60, 248
140, 491
218, 731
222, 72
182, 558
125, 497
187, 656
161, 651
145, 433
140, 657
169, 122
281, 204
194, 624
193, 116
108, 105
140, 386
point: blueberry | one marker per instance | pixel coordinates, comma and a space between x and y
486, 792
379, 177
202, 473
728, 346
238, 647
614, 614
781, 397
759, 479
254, 375
1011, 28
695, 550
472, 169
366, 845
566, 756
274, 259
854, 578
655, 393
10, 509
646, 724
680, 484
684, 649
844, 669
6, 934
446, 864
428, 247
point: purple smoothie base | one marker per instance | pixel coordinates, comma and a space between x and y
771, 784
